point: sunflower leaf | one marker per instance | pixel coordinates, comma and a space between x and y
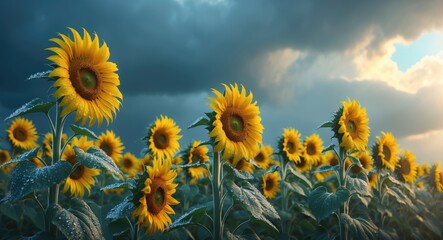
294, 187
78, 222
40, 75
128, 184
121, 210
202, 121
22, 157
231, 171
82, 131
401, 198
96, 158
329, 148
300, 176
35, 105
328, 124
326, 168
26, 178
271, 169
360, 184
189, 218
323, 203
359, 228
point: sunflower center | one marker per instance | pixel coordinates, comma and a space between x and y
301, 163
127, 163
311, 149
3, 157
233, 125
85, 79
78, 172
405, 167
156, 200
260, 157
161, 140
107, 148
269, 184
387, 153
20, 134
291, 147
352, 128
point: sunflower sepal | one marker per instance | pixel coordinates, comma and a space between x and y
96, 158
201, 121
82, 131
33, 106
189, 218
41, 75
22, 157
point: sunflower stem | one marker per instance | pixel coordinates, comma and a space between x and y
216, 190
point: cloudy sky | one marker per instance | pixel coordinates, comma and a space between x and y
299, 58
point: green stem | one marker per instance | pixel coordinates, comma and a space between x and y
240, 225
283, 190
216, 190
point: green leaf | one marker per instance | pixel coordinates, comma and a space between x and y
122, 209
359, 184
294, 187
40, 75
13, 211
231, 171
271, 169
23, 157
329, 148
327, 168
78, 222
82, 131
300, 176
128, 184
326, 125
254, 202
400, 197
26, 178
35, 105
188, 218
96, 158
303, 210
359, 228
190, 165
323, 203
202, 121
42, 235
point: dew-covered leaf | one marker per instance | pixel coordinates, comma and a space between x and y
96, 158
300, 176
82, 131
22, 157
190, 165
122, 209
26, 178
326, 168
231, 171
359, 228
35, 105
188, 218
359, 184
40, 75
323, 203
202, 121
128, 184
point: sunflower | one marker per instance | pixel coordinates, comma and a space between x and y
37, 160
408, 167
303, 165
243, 165
163, 138
236, 125
328, 158
5, 157
22, 133
146, 161
47, 143
365, 160
111, 145
423, 170
385, 151
197, 153
178, 160
82, 177
155, 203
86, 82
373, 180
130, 164
263, 158
436, 177
312, 149
271, 184
352, 128
290, 145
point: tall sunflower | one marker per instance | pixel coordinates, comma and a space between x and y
196, 153
82, 178
365, 159
86, 81
290, 145
303, 165
47, 143
155, 203
236, 126
385, 151
351, 126
312, 149
163, 138
263, 158
423, 170
130, 164
22, 134
436, 177
271, 184
111, 145
328, 158
408, 167
372, 177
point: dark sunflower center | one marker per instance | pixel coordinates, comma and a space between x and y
156, 200
78, 172
333, 161
19, 134
196, 157
107, 148
71, 159
3, 157
233, 125
260, 157
241, 164
269, 184
161, 140
85, 79
291, 147
301, 163
405, 167
311, 149
387, 153
352, 127
127, 163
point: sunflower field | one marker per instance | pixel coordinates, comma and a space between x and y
74, 183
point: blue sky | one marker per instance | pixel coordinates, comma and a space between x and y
299, 58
